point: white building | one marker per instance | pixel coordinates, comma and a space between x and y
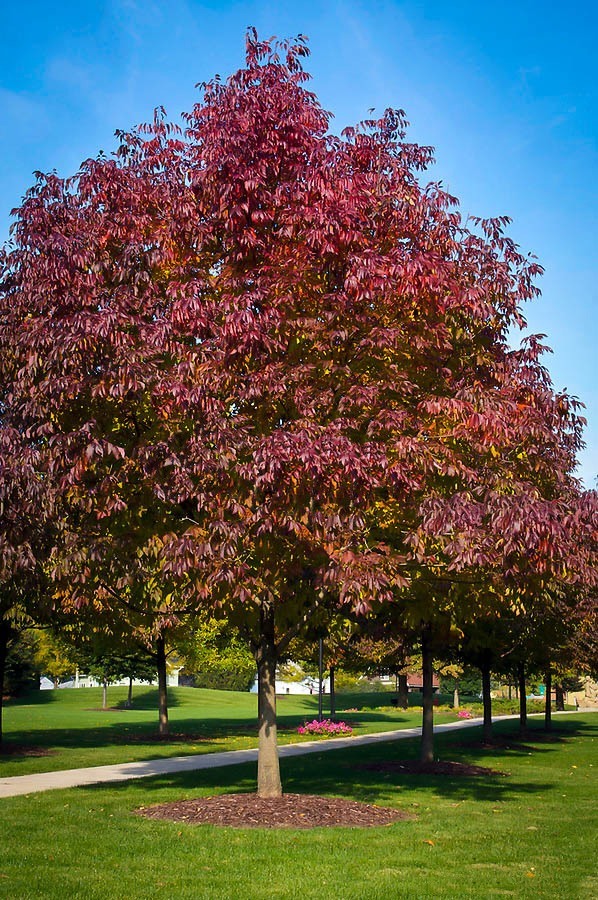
308, 685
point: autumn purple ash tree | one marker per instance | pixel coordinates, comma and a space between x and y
266, 369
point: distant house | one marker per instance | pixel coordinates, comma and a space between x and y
415, 682
306, 686
80, 680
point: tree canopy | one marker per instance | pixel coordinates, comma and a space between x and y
269, 365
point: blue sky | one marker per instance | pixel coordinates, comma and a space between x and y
507, 93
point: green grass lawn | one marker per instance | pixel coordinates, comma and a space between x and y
70, 724
532, 834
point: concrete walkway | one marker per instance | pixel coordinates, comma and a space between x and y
67, 778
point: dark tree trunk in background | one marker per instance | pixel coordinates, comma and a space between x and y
332, 694
163, 728
3, 656
560, 697
548, 707
268, 765
522, 699
104, 694
320, 677
130, 694
403, 691
427, 740
487, 702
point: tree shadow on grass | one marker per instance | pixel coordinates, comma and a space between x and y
355, 782
303, 776
30, 698
118, 727
187, 735
339, 773
507, 738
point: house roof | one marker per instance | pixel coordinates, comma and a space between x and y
416, 680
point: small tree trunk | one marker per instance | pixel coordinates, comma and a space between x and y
427, 741
104, 694
559, 697
456, 698
548, 707
403, 691
487, 702
510, 691
268, 765
320, 677
163, 729
3, 656
130, 693
522, 699
332, 694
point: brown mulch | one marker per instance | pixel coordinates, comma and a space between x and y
414, 767
24, 750
288, 811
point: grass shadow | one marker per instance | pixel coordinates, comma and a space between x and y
33, 697
340, 773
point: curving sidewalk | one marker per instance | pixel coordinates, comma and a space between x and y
67, 778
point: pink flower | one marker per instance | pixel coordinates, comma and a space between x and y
326, 728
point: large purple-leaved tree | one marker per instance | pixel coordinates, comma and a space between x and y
268, 365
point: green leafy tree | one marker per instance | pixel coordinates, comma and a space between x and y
215, 657
21, 672
55, 657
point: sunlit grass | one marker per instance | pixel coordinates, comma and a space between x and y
75, 732
531, 834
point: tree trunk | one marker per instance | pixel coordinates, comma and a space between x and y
403, 691
162, 687
560, 697
332, 694
3, 656
510, 691
320, 677
268, 766
427, 741
104, 694
522, 699
130, 694
548, 707
487, 702
456, 698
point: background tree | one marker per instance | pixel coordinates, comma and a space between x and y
21, 670
26, 512
54, 656
214, 656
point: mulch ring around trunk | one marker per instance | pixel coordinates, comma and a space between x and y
415, 767
24, 750
288, 811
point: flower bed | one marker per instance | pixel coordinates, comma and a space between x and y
326, 728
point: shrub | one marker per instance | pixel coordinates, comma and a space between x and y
326, 728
